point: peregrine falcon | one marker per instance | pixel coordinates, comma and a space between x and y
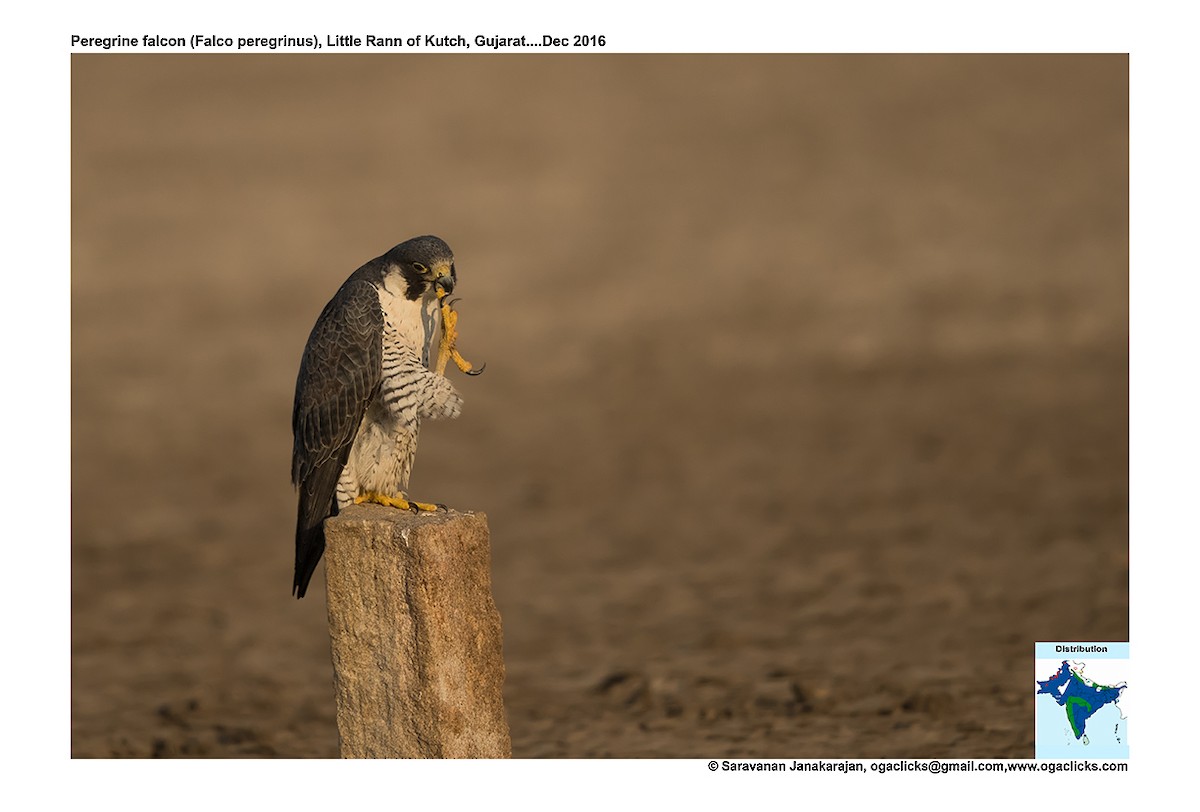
365, 385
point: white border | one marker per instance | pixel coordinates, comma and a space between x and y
1163, 381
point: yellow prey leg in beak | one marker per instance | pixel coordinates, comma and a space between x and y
447, 348
402, 502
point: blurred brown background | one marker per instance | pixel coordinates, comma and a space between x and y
805, 412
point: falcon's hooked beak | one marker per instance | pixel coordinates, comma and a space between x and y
443, 278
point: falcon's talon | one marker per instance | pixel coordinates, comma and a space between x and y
381, 499
401, 502
465, 366
447, 348
478, 371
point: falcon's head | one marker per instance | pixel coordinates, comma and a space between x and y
426, 263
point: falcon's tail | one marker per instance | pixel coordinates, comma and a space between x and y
310, 545
317, 503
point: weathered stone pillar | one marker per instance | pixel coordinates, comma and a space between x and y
417, 657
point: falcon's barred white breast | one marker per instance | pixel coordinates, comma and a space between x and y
366, 382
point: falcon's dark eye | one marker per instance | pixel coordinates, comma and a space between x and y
420, 268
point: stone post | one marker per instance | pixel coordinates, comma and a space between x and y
416, 638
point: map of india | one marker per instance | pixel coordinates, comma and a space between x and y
1078, 697
1081, 700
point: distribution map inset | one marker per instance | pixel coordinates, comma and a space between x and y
1078, 697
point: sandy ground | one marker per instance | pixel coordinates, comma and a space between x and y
805, 413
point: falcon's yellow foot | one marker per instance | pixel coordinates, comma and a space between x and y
401, 502
446, 348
